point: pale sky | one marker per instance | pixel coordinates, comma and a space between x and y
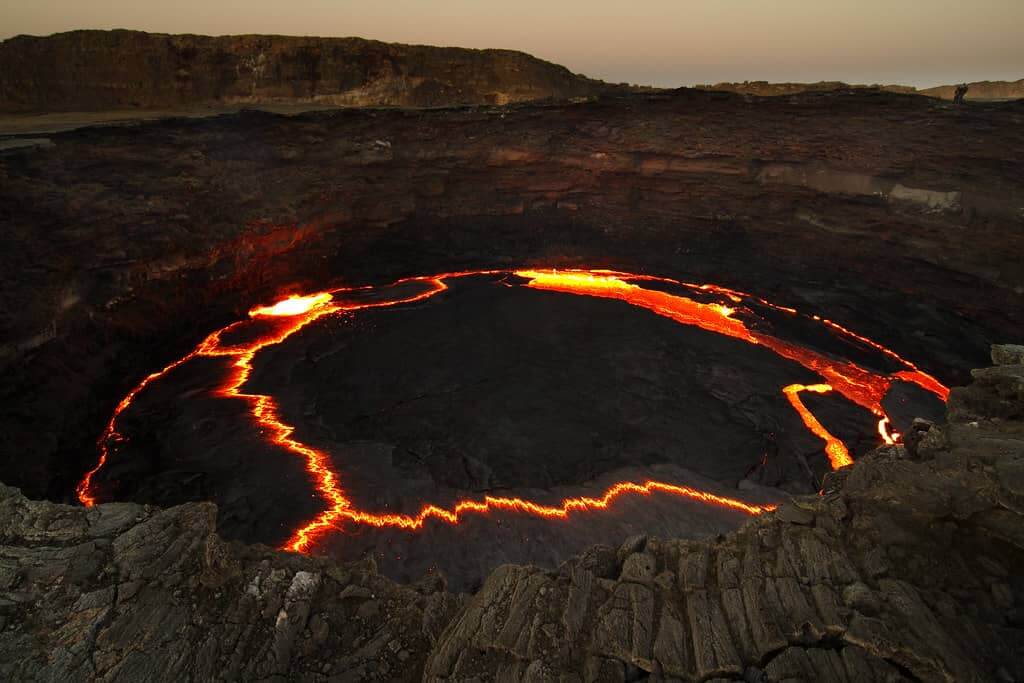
654, 42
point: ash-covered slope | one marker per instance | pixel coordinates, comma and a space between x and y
907, 568
97, 70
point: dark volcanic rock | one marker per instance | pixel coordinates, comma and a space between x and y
488, 388
126, 593
123, 246
96, 70
907, 570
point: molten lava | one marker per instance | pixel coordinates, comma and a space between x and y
293, 305
286, 317
835, 449
859, 385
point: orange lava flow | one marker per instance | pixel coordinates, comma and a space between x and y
911, 373
110, 434
304, 538
857, 384
835, 449
286, 317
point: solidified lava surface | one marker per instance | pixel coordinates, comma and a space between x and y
463, 420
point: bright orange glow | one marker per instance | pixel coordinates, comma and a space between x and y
911, 373
288, 316
711, 317
293, 305
925, 381
306, 537
110, 435
859, 385
889, 437
835, 449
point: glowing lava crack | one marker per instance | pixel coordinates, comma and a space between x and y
288, 316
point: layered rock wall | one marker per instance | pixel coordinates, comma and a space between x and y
97, 70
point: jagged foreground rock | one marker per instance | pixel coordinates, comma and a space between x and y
909, 566
132, 593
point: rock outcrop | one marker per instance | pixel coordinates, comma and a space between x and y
906, 567
97, 70
130, 593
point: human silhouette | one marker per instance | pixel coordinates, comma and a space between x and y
961, 92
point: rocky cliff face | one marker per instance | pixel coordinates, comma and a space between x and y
95, 70
906, 567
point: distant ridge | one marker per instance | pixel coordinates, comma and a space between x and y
979, 90
982, 90
102, 70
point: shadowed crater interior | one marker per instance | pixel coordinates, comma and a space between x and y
486, 388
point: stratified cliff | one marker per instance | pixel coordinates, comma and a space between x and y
907, 567
96, 70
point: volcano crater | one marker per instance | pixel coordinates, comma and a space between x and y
433, 391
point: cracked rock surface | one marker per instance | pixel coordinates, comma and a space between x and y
907, 567
130, 593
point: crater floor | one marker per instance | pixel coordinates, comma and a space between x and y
426, 399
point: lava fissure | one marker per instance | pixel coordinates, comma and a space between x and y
286, 317
838, 454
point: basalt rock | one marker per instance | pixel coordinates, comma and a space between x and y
905, 570
125, 592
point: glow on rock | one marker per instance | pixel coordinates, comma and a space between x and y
838, 454
288, 316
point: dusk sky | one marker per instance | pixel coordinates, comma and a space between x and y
655, 42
